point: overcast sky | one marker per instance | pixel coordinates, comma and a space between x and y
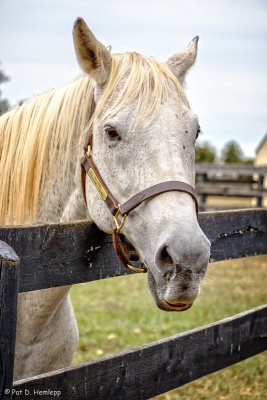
227, 87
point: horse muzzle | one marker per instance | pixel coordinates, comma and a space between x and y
177, 306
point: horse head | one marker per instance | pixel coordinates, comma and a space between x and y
144, 133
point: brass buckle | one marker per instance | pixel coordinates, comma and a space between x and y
119, 225
88, 153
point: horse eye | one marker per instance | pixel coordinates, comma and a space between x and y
112, 133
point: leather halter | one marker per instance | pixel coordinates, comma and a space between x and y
120, 211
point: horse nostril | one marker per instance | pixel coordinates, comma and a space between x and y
164, 257
167, 264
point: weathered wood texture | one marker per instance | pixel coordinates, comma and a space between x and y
63, 254
160, 366
229, 169
235, 234
235, 189
9, 269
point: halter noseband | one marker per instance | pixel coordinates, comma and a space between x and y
120, 211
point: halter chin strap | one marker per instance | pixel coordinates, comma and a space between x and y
120, 211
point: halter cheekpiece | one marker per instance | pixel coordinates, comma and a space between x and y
120, 211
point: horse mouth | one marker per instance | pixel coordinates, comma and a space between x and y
177, 306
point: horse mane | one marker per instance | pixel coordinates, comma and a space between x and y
35, 134
31, 138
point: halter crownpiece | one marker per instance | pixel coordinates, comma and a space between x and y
120, 211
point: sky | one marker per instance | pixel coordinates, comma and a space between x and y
227, 87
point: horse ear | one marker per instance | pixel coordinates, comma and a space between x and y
180, 62
93, 57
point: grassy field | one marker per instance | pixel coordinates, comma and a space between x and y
119, 313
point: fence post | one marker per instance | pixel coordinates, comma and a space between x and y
204, 178
9, 283
260, 185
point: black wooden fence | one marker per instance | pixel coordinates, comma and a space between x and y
230, 180
53, 255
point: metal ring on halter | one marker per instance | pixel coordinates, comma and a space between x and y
136, 269
119, 226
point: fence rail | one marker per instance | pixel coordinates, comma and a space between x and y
67, 253
155, 368
230, 169
53, 255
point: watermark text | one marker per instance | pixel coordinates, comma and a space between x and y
34, 392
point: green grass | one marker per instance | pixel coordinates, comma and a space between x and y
118, 314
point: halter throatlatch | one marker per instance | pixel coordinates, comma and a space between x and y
120, 211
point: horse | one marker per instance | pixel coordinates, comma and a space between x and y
144, 133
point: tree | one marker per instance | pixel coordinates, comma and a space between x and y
232, 153
4, 105
205, 153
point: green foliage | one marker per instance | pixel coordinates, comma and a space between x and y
3, 102
205, 153
232, 153
248, 161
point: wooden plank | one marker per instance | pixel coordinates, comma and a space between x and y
228, 179
161, 366
235, 234
9, 269
63, 254
231, 169
230, 189
222, 207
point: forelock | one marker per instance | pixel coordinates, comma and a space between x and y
139, 79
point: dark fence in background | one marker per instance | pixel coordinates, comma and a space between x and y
230, 180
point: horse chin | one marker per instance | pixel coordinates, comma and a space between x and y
176, 307
165, 306
161, 303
